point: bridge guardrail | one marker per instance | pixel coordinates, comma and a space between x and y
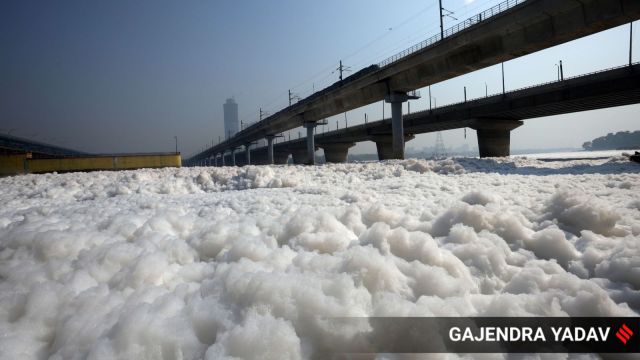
528, 87
478, 18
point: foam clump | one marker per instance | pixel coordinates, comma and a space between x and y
246, 263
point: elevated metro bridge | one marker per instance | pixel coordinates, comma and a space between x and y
494, 115
509, 30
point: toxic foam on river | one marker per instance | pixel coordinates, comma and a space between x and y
244, 262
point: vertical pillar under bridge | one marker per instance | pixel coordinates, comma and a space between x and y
396, 98
270, 149
247, 149
311, 146
494, 136
222, 156
233, 157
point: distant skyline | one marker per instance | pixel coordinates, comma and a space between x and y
123, 76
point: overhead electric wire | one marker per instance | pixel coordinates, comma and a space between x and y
404, 44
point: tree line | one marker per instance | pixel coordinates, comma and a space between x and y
618, 141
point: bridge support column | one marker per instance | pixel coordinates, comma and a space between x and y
247, 149
336, 152
270, 149
494, 136
222, 156
384, 145
397, 128
311, 146
233, 157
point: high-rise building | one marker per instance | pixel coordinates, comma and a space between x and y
231, 123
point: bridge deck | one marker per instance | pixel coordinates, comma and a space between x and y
525, 28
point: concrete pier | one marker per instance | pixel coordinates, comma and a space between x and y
270, 149
336, 152
311, 147
247, 150
494, 136
384, 145
396, 99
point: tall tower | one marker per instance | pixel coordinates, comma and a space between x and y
439, 151
231, 123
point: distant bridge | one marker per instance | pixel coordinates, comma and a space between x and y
493, 115
17, 145
509, 30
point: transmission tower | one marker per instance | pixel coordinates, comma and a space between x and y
439, 151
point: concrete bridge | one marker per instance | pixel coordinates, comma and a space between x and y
493, 117
509, 30
10, 145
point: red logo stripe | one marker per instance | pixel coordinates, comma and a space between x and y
623, 339
624, 333
626, 329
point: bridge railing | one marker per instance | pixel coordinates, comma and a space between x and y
524, 88
503, 6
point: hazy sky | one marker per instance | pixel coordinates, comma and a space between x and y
128, 76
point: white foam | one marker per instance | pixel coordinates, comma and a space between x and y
245, 262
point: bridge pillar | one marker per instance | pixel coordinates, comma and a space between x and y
397, 128
270, 149
222, 156
233, 157
494, 136
384, 145
336, 152
311, 146
247, 149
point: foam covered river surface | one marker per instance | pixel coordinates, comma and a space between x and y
244, 262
